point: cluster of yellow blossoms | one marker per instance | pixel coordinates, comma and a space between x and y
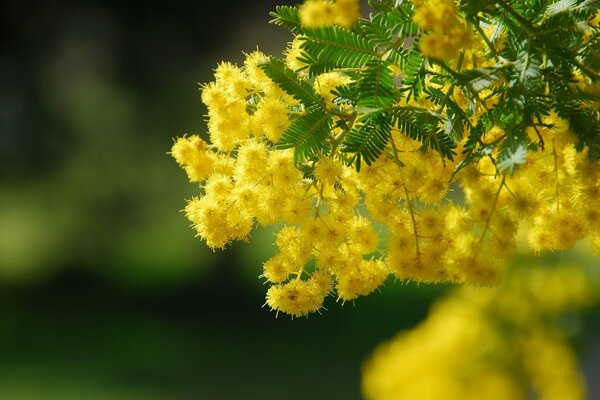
446, 33
347, 231
503, 343
315, 13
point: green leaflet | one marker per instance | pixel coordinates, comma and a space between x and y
456, 119
482, 78
346, 94
337, 46
288, 80
286, 17
560, 6
385, 27
414, 74
424, 126
512, 151
368, 139
591, 53
474, 149
573, 7
315, 67
511, 158
376, 89
307, 134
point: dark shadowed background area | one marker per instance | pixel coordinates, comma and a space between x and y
104, 291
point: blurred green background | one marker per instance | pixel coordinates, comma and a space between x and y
104, 291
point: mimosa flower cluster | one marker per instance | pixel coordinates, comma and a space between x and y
315, 13
504, 343
412, 213
446, 33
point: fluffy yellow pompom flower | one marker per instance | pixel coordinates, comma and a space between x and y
293, 54
347, 12
271, 118
444, 45
361, 236
328, 170
233, 79
436, 14
315, 13
521, 352
277, 269
297, 297
192, 154
361, 279
446, 34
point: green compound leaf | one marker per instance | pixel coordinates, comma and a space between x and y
424, 126
591, 53
377, 30
376, 88
456, 119
414, 74
337, 47
576, 7
346, 94
388, 26
368, 139
561, 6
454, 126
512, 151
382, 5
288, 80
307, 134
482, 78
580, 109
511, 158
286, 17
474, 148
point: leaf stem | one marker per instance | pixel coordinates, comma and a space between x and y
408, 201
589, 72
485, 39
413, 219
541, 143
489, 218
529, 27
555, 156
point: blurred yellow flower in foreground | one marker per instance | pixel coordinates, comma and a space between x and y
501, 343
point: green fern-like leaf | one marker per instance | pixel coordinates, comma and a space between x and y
482, 78
288, 80
377, 30
368, 139
424, 126
346, 94
512, 150
454, 126
561, 6
307, 134
386, 27
572, 8
474, 148
511, 158
376, 88
401, 17
337, 46
287, 17
414, 74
